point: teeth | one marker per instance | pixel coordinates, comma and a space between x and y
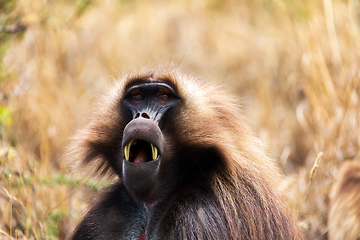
154, 152
127, 150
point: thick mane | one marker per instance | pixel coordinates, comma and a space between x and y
208, 140
247, 168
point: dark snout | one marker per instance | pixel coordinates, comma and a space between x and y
143, 129
143, 145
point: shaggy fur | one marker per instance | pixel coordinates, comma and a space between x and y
225, 183
344, 215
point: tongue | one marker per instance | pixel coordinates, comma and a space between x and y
141, 157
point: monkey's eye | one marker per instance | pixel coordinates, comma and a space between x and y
163, 98
137, 98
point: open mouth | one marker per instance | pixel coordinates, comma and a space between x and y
140, 151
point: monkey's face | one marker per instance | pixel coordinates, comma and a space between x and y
147, 105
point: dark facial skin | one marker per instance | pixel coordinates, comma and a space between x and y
150, 100
147, 105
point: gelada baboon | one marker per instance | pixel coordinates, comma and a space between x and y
344, 214
189, 166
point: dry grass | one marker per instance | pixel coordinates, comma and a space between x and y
294, 65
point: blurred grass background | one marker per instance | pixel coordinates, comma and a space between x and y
294, 66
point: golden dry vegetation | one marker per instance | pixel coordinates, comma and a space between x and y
294, 66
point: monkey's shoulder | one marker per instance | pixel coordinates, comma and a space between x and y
115, 215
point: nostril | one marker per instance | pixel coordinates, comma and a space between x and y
144, 115
137, 115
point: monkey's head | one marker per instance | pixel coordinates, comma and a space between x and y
159, 130
146, 105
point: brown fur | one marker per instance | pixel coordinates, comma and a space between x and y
242, 189
344, 214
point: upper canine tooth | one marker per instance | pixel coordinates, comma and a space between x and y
154, 152
127, 150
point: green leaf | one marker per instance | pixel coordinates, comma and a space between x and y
5, 116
